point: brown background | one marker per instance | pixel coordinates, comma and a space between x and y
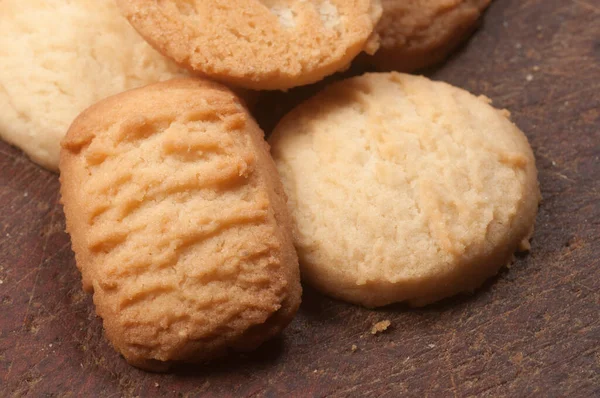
533, 331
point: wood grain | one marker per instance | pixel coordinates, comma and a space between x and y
533, 331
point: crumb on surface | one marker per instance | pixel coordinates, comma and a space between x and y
354, 348
380, 327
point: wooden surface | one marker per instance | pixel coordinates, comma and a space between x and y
533, 331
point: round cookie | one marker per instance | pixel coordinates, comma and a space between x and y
59, 57
404, 189
258, 44
179, 223
421, 33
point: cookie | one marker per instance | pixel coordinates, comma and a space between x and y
404, 189
179, 223
422, 33
258, 44
59, 57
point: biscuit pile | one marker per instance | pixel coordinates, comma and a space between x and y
191, 230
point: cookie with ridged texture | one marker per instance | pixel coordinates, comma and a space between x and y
59, 57
179, 223
422, 33
404, 189
258, 44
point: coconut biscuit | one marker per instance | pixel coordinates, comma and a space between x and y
404, 189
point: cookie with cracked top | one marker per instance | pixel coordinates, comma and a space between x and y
404, 189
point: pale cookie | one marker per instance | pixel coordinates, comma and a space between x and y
422, 33
258, 44
179, 223
59, 57
404, 189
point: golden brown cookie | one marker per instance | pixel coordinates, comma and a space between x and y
179, 223
258, 44
416, 34
404, 189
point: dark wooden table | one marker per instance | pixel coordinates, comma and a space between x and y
532, 331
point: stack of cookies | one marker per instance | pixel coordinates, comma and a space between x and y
191, 230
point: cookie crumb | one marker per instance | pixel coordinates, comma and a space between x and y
529, 77
354, 348
517, 358
380, 327
156, 385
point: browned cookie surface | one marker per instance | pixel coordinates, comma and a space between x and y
258, 44
178, 223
